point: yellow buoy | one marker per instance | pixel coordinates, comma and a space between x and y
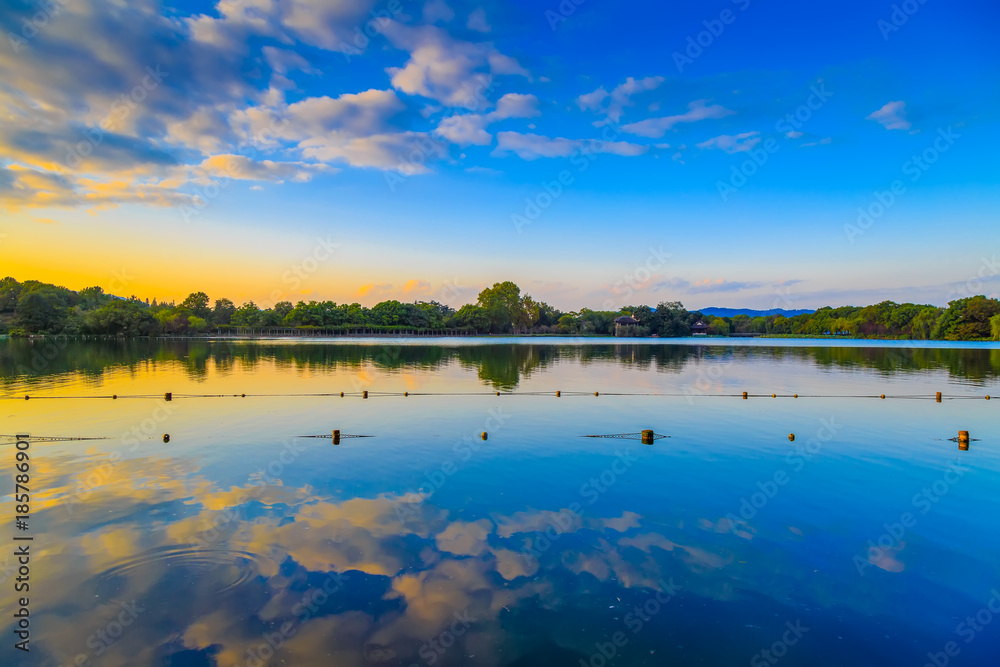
406, 393
364, 394
744, 395
795, 395
882, 396
341, 394
774, 396
336, 436
114, 397
938, 397
791, 437
558, 393
484, 435
596, 393
166, 437
647, 437
498, 393
168, 396
963, 436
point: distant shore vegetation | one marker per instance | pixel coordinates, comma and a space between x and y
33, 307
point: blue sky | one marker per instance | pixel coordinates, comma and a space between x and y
598, 154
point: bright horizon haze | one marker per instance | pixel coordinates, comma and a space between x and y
731, 153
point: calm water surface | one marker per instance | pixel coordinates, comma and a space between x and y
872, 539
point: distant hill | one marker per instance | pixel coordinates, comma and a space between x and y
731, 312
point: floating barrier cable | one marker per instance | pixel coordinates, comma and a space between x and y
629, 436
169, 396
40, 438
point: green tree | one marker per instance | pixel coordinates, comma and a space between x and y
223, 311
673, 320
473, 317
197, 303
247, 315
120, 317
504, 306
10, 291
995, 327
197, 324
38, 312
389, 313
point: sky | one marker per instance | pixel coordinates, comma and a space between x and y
733, 153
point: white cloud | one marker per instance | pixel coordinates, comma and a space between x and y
892, 116
534, 146
467, 129
240, 167
619, 98
732, 143
407, 152
821, 142
453, 72
438, 10
657, 127
477, 21
516, 105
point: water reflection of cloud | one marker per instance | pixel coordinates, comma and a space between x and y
430, 566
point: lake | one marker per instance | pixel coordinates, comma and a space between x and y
870, 539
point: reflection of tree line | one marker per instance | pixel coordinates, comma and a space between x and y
500, 366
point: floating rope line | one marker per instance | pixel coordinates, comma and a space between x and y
39, 438
628, 436
558, 394
328, 436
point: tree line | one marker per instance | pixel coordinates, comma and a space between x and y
34, 307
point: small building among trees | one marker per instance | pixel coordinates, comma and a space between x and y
624, 321
699, 328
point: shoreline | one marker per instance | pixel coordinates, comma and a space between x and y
781, 340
